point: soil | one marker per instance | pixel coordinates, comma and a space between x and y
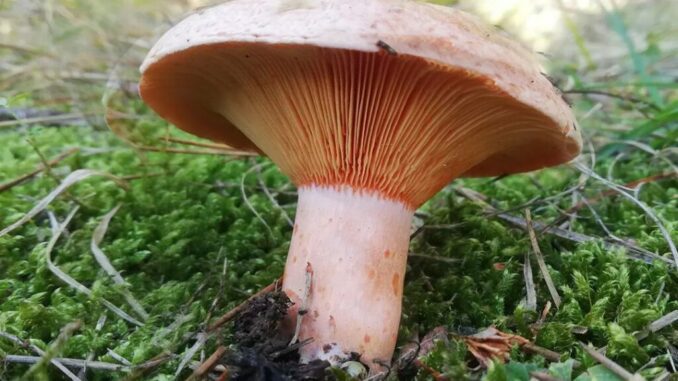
262, 352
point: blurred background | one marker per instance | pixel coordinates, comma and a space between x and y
63, 52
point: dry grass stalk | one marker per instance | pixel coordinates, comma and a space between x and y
540, 260
531, 292
208, 364
12, 183
611, 365
105, 263
57, 230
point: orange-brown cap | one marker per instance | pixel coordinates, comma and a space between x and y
392, 96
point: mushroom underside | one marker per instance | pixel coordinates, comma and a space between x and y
397, 125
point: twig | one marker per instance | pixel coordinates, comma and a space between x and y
54, 348
208, 364
62, 119
215, 146
74, 363
658, 324
304, 303
105, 264
119, 358
12, 183
531, 297
546, 353
611, 365
228, 316
143, 369
26, 344
540, 260
196, 152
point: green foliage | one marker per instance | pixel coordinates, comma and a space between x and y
190, 249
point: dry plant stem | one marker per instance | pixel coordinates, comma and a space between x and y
74, 363
9, 184
540, 260
206, 366
611, 365
357, 246
530, 291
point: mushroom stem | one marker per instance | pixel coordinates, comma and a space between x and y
356, 243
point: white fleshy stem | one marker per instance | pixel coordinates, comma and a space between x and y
357, 245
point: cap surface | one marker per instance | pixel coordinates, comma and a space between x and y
483, 96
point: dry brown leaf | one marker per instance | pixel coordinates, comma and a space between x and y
492, 344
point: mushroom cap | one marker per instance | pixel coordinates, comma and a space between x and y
203, 73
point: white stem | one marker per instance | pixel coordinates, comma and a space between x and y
357, 245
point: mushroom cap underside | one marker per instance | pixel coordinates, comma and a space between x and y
418, 79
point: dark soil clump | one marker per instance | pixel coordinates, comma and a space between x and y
261, 350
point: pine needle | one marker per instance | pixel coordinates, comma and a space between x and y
71, 179
57, 230
540, 260
105, 264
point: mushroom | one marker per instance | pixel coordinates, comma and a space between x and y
370, 107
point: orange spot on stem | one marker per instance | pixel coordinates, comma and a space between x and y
395, 283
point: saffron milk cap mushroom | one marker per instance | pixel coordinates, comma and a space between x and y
370, 107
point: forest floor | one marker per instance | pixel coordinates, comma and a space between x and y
123, 243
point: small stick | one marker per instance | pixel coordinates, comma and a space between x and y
75, 363
611, 365
199, 144
12, 183
71, 118
545, 353
304, 303
56, 346
658, 324
196, 152
208, 364
228, 316
40, 352
540, 260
